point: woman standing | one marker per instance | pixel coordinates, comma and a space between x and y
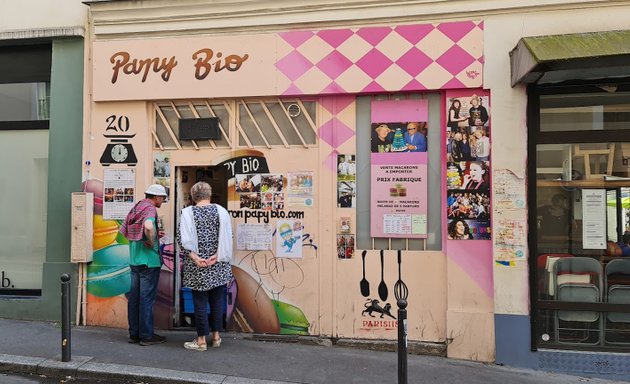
457, 152
205, 237
455, 122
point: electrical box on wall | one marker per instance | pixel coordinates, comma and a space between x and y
82, 227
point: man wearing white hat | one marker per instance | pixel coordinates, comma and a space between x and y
140, 228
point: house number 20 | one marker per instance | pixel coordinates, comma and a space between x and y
117, 123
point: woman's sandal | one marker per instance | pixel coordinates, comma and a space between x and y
216, 343
196, 347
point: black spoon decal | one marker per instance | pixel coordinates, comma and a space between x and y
364, 284
382, 287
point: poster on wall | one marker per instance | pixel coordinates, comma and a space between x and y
300, 188
399, 168
118, 192
468, 165
346, 181
345, 246
346, 168
594, 218
161, 164
260, 191
289, 238
162, 171
253, 237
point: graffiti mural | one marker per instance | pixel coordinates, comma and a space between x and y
255, 302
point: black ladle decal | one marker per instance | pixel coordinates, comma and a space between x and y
365, 285
382, 287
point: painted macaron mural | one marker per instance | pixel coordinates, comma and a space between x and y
252, 306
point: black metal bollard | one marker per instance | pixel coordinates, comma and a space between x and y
65, 317
401, 292
402, 341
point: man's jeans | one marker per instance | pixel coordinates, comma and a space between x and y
141, 297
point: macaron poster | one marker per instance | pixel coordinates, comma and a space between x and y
399, 197
398, 183
108, 274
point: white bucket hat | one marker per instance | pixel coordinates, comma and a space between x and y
156, 190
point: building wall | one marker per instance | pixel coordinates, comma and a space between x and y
43, 14
66, 122
47, 20
511, 302
459, 310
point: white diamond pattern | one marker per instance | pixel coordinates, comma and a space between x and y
354, 48
394, 46
315, 49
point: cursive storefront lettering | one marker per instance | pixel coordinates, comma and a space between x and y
205, 63
123, 62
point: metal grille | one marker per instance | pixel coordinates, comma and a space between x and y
264, 123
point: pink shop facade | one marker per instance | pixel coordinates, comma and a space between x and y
352, 160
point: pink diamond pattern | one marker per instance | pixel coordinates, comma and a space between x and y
331, 161
335, 132
414, 61
373, 87
334, 64
374, 63
414, 33
413, 85
454, 83
292, 90
349, 64
296, 38
335, 37
333, 88
456, 30
455, 59
337, 104
294, 65
374, 35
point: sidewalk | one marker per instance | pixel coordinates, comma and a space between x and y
102, 353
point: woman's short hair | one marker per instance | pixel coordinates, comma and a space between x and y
201, 191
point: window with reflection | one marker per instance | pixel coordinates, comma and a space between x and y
24, 101
581, 219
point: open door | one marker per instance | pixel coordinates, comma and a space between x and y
185, 178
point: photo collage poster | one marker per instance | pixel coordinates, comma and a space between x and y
346, 181
260, 191
468, 152
346, 198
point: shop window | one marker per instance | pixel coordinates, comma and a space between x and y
24, 101
255, 123
24, 124
23, 207
581, 216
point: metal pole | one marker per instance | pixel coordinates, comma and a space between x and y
65, 317
402, 341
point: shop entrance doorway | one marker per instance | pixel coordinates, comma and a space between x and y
185, 178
